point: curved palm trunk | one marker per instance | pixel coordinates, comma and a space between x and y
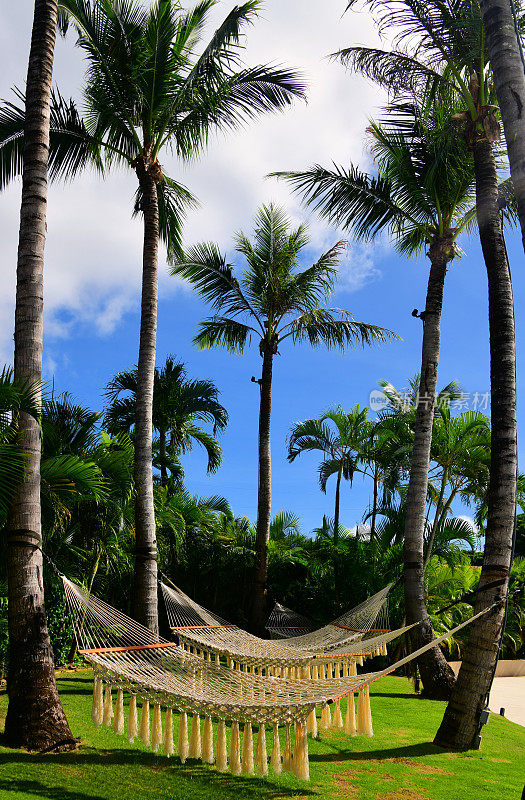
264, 498
459, 728
35, 718
336, 535
437, 677
509, 80
145, 599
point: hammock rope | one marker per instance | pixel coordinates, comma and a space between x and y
203, 632
283, 623
127, 657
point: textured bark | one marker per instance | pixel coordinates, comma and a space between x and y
436, 675
264, 497
509, 81
145, 595
35, 718
460, 724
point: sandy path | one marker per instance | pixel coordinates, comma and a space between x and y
509, 693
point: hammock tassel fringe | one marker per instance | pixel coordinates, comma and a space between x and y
132, 719
156, 729
98, 701
144, 734
118, 722
167, 742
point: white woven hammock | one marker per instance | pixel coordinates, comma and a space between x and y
283, 623
340, 642
128, 657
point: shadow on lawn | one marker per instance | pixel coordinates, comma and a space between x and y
48, 792
405, 751
188, 776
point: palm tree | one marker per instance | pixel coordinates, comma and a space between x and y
35, 718
341, 449
151, 86
452, 52
278, 303
178, 405
506, 62
421, 196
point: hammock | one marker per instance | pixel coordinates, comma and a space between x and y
283, 623
128, 657
198, 629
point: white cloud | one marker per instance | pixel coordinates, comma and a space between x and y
94, 248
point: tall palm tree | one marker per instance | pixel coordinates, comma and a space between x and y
506, 62
278, 302
341, 444
178, 405
151, 87
35, 718
451, 51
421, 197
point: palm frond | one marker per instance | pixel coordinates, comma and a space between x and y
350, 199
335, 328
71, 146
395, 71
224, 332
206, 268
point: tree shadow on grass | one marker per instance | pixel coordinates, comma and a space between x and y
48, 792
404, 751
188, 776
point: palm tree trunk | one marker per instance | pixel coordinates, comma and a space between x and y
162, 458
437, 519
374, 506
264, 498
460, 725
145, 600
35, 718
436, 675
336, 535
509, 79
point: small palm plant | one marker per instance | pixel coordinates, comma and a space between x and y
339, 435
179, 405
273, 301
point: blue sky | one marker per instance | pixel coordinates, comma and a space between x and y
93, 266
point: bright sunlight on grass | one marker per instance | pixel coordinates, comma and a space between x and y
399, 763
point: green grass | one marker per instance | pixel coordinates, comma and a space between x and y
399, 763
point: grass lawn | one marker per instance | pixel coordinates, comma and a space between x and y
399, 763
